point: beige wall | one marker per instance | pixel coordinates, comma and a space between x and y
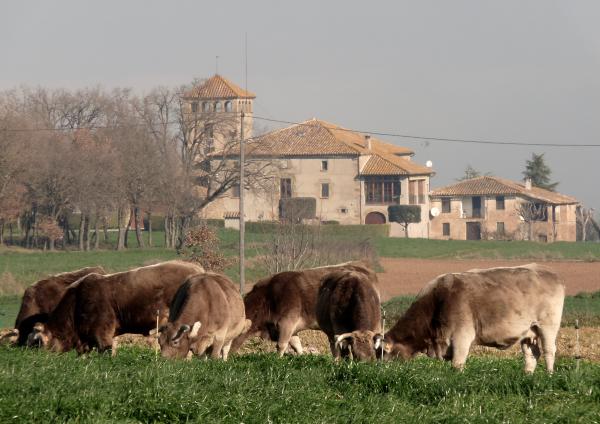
562, 230
307, 177
346, 193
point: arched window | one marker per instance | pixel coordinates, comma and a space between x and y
228, 107
206, 107
218, 107
194, 107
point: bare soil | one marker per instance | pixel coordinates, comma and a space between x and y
405, 276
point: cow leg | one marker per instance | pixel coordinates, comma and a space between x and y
286, 331
217, 347
226, 348
548, 335
113, 349
461, 344
296, 344
531, 353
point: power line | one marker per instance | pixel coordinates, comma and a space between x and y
426, 138
371, 132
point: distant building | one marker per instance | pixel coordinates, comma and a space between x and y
353, 177
496, 208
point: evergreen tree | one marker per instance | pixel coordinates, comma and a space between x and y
539, 172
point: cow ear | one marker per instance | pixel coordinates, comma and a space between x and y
183, 329
195, 329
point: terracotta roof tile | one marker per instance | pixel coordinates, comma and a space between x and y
319, 138
386, 164
490, 186
218, 87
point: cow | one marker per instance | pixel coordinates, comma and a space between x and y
97, 307
206, 314
349, 312
496, 307
282, 305
42, 297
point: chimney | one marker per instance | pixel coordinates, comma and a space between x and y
527, 183
368, 141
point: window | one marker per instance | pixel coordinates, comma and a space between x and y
194, 107
285, 188
205, 107
235, 190
382, 190
412, 192
324, 165
325, 190
446, 229
218, 107
421, 187
446, 205
228, 107
500, 228
499, 203
343, 210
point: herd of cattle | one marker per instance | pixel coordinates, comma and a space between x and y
202, 313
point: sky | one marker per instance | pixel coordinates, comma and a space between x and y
526, 71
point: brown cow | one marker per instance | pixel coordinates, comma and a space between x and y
42, 297
282, 305
98, 307
206, 314
349, 312
495, 307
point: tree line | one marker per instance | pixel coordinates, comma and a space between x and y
101, 153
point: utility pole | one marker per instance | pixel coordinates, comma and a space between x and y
242, 222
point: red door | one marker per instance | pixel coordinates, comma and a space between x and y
375, 218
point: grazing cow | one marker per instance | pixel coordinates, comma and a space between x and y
42, 297
98, 307
495, 307
349, 312
282, 305
206, 314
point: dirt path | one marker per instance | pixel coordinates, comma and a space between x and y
407, 276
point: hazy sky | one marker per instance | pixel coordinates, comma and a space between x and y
506, 70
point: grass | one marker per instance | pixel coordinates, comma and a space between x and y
137, 386
584, 307
462, 249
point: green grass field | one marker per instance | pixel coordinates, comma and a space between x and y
136, 386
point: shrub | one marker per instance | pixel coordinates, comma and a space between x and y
201, 245
297, 208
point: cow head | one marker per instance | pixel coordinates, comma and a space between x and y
10, 338
389, 349
175, 342
358, 345
40, 336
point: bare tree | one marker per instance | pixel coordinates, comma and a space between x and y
584, 217
529, 212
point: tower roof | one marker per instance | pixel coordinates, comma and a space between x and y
218, 87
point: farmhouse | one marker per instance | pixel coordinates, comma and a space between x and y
352, 176
496, 208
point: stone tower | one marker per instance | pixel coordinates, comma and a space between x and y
218, 103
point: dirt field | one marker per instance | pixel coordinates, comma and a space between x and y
407, 276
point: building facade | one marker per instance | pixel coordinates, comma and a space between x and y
353, 177
496, 208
